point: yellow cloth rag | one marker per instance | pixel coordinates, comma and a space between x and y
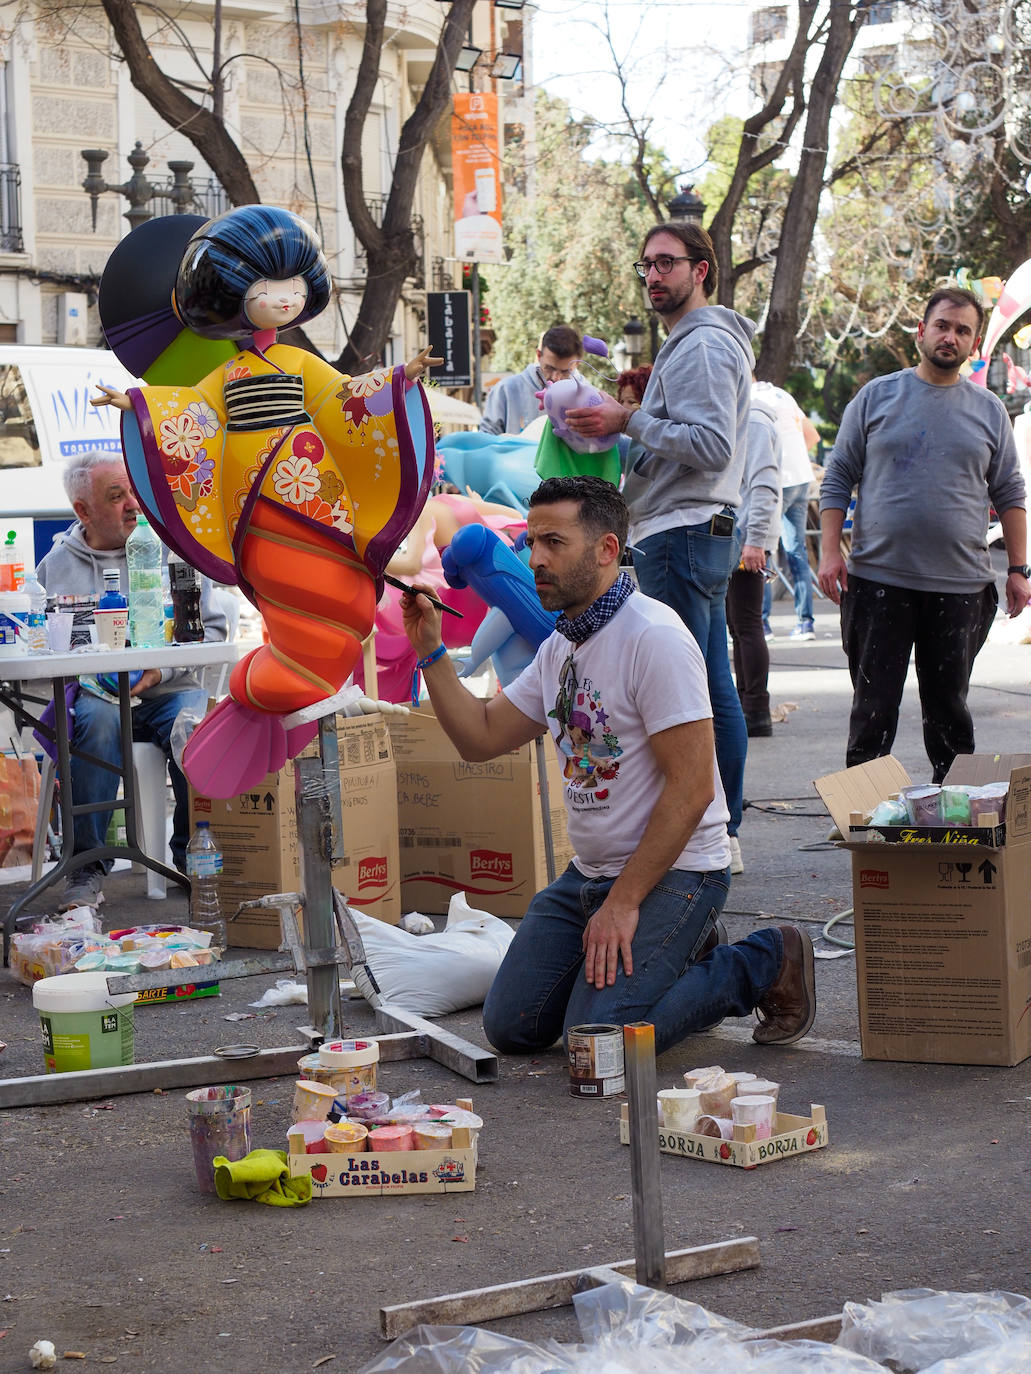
261, 1176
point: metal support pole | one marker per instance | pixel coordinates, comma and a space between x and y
545, 796
645, 1184
316, 780
474, 268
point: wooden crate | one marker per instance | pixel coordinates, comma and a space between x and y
394, 1173
793, 1135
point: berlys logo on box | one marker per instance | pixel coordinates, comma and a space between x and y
372, 871
873, 877
489, 863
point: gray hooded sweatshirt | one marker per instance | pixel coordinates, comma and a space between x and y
72, 566
689, 436
758, 522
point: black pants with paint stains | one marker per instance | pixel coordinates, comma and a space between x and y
880, 627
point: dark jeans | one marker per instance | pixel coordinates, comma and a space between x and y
689, 569
880, 627
540, 989
751, 652
97, 731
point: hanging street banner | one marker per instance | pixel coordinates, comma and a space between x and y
447, 328
476, 170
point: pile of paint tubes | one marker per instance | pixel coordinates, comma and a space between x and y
714, 1101
353, 1116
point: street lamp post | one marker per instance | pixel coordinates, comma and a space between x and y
137, 190
687, 204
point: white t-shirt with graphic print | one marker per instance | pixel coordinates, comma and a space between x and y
638, 675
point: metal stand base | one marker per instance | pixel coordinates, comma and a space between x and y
330, 940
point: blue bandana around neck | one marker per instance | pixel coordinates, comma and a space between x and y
598, 613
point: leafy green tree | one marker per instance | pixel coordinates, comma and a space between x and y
573, 226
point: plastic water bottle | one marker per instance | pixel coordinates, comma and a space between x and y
146, 598
37, 641
204, 869
12, 565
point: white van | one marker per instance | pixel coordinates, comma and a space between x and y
45, 418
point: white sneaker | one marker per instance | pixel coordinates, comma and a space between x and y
736, 864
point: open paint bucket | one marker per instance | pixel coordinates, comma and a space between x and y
84, 1026
220, 1126
595, 1060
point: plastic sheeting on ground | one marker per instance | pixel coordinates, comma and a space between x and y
628, 1329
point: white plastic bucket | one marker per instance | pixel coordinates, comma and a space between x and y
84, 1026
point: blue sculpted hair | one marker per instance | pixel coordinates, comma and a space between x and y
229, 254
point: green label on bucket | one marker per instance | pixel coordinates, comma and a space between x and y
101, 1039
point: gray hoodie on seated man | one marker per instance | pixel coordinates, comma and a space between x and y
106, 508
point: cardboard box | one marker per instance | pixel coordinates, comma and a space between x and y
792, 1136
257, 832
472, 827
397, 1173
943, 925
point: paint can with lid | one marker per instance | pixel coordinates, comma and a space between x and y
595, 1060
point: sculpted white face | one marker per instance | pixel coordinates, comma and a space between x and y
275, 304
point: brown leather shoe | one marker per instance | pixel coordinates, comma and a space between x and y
787, 1011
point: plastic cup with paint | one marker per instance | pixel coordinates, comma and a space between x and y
59, 630
753, 1109
694, 1077
717, 1094
717, 1127
384, 1139
314, 1133
765, 1087
111, 627
346, 1138
921, 803
312, 1101
681, 1108
432, 1135
368, 1106
954, 806
744, 1078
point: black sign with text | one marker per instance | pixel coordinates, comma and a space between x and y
447, 325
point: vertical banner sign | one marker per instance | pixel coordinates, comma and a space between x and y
476, 168
447, 319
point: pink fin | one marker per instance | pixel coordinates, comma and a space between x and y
300, 737
233, 749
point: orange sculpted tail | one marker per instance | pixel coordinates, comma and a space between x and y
318, 602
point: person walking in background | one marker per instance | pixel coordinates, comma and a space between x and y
926, 451
685, 468
512, 403
798, 438
756, 519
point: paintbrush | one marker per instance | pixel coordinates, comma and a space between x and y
414, 591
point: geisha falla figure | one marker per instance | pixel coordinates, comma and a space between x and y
277, 474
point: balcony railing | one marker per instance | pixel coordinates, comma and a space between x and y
10, 208
209, 198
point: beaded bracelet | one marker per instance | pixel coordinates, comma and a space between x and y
438, 653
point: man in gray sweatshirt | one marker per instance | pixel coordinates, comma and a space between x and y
105, 507
927, 451
512, 403
685, 468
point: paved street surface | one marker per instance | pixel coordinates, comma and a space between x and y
106, 1247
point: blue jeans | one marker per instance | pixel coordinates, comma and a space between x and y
96, 731
792, 536
689, 570
540, 989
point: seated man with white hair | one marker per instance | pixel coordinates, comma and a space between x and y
106, 508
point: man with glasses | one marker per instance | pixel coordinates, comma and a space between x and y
512, 403
685, 467
629, 931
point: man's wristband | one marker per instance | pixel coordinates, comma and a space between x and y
423, 663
